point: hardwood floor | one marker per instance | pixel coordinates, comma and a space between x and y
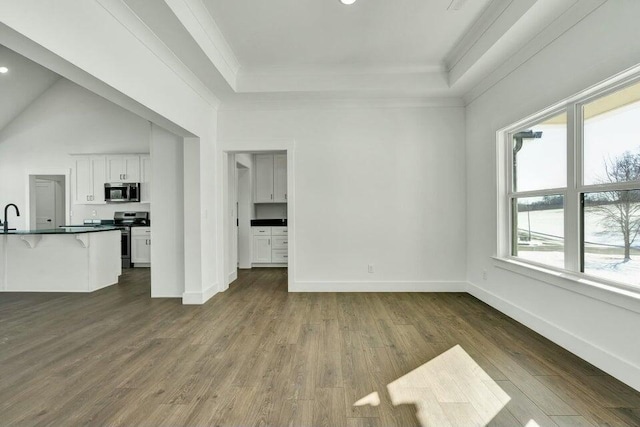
257, 355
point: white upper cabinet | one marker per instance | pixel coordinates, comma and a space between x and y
88, 179
123, 168
264, 178
270, 178
91, 172
145, 179
280, 178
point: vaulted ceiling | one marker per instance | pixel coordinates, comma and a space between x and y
21, 85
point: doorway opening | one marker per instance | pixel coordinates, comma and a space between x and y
258, 211
48, 201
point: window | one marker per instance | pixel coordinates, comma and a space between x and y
571, 187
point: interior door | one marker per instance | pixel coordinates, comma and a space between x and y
45, 204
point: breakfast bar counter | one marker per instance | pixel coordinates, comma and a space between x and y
67, 259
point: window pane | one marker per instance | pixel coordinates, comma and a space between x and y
612, 137
540, 155
538, 223
611, 240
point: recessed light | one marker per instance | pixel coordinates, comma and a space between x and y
347, 1
4, 70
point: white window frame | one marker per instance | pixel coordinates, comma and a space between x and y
570, 275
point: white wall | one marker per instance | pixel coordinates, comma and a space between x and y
602, 45
270, 210
64, 120
382, 186
167, 228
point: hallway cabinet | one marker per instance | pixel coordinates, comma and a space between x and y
270, 178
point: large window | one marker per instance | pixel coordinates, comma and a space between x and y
572, 187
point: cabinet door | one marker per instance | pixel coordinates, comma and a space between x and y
145, 179
82, 180
263, 178
262, 249
141, 249
280, 178
98, 179
131, 168
116, 168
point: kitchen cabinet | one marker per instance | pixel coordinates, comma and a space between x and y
270, 245
91, 172
280, 178
88, 179
141, 246
145, 179
262, 249
123, 168
264, 178
270, 178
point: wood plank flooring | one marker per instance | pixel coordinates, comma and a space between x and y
257, 356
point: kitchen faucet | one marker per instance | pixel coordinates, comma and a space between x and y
6, 221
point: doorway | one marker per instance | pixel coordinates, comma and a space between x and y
247, 212
48, 207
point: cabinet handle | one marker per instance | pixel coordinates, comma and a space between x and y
269, 242
285, 242
285, 256
272, 197
87, 198
285, 196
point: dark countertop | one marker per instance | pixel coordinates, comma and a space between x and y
64, 230
269, 222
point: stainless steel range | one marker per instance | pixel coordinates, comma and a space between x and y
124, 221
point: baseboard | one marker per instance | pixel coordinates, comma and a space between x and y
232, 276
378, 287
269, 265
198, 298
165, 295
621, 369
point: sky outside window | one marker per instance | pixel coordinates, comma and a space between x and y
542, 163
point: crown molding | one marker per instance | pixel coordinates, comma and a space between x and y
416, 81
129, 20
197, 20
305, 102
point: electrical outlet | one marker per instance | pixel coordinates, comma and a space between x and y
484, 274
94, 213
370, 268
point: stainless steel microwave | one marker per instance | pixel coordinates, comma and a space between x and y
122, 192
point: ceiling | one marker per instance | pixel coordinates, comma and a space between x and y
23, 84
239, 52
325, 34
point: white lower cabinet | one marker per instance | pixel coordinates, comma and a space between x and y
270, 245
262, 249
141, 246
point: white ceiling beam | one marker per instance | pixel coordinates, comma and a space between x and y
546, 34
508, 31
494, 23
123, 14
197, 20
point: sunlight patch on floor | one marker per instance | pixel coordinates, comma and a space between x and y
451, 389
